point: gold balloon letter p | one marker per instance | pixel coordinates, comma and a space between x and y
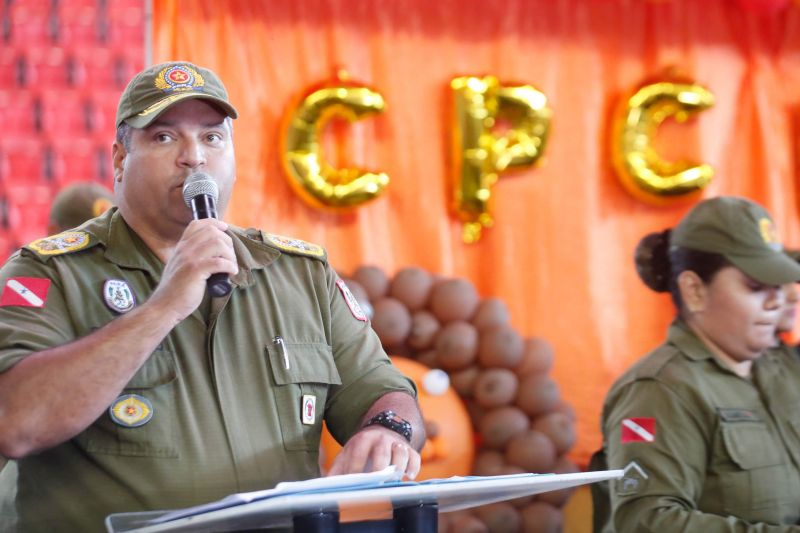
643, 173
480, 154
311, 176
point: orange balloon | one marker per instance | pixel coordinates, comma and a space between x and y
448, 452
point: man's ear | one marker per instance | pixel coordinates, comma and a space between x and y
118, 154
693, 291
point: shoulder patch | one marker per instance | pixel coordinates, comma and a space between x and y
633, 480
295, 246
61, 243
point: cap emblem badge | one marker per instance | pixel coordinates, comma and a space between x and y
179, 78
769, 233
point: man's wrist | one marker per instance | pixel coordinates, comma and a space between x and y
391, 420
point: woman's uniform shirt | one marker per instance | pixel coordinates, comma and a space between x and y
703, 449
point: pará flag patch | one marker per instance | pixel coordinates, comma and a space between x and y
351, 301
25, 292
638, 430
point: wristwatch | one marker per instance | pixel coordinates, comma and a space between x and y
390, 420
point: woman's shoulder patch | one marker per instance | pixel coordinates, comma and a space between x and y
61, 243
295, 246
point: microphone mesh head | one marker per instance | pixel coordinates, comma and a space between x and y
199, 183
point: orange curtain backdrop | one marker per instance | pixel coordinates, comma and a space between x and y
560, 254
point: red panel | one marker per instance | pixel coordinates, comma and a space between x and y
28, 210
78, 22
14, 68
80, 160
23, 161
48, 68
126, 23
66, 111
29, 22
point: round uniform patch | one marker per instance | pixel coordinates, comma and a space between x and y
62, 243
118, 295
131, 411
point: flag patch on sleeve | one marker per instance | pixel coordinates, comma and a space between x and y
351, 301
638, 430
25, 292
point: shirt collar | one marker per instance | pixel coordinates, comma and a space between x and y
126, 249
680, 335
123, 246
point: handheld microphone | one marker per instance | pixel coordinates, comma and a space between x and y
200, 192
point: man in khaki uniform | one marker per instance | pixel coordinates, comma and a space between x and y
126, 387
72, 206
76, 203
706, 425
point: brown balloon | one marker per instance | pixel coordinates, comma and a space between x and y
491, 312
392, 321
540, 517
454, 299
500, 346
501, 517
537, 394
495, 387
412, 286
559, 428
424, 328
533, 451
374, 281
457, 345
498, 426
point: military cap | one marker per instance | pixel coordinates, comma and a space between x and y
743, 232
77, 203
156, 88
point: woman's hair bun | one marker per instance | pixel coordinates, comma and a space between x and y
652, 260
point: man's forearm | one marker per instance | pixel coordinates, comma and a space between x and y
52, 395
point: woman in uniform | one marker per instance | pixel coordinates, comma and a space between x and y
707, 428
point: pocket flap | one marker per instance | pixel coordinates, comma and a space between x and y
159, 369
750, 445
306, 362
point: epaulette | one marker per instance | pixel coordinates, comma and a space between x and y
295, 246
62, 243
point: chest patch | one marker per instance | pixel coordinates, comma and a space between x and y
131, 411
62, 243
309, 409
25, 292
118, 295
351, 301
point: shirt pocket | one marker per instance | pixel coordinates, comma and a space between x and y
756, 486
303, 373
154, 381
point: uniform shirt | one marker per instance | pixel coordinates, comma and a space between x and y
703, 449
226, 398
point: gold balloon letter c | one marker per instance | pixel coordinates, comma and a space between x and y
643, 173
311, 176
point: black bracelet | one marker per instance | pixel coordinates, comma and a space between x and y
390, 420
